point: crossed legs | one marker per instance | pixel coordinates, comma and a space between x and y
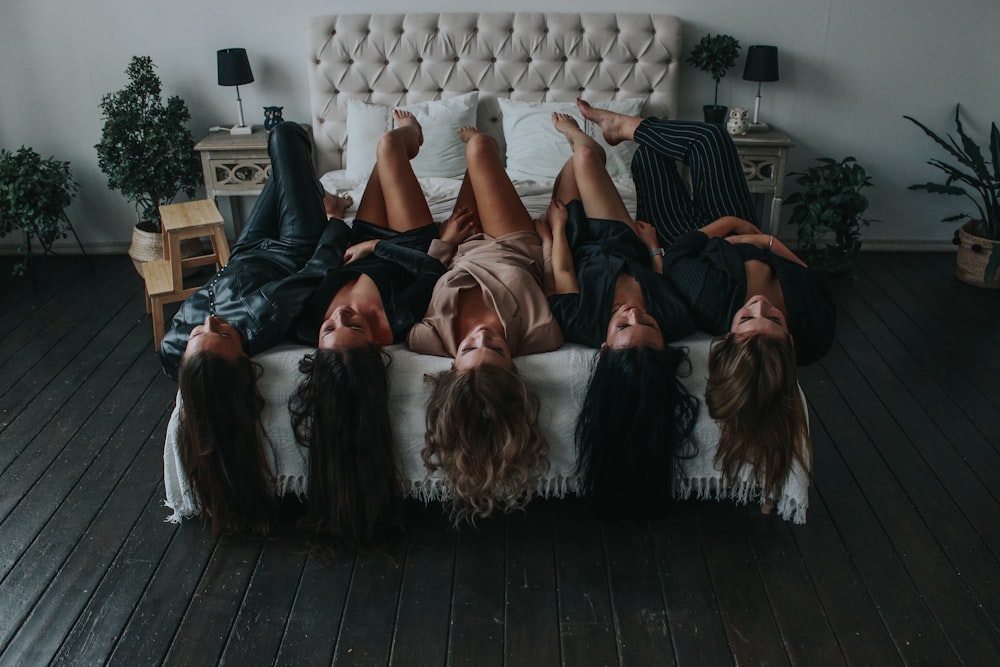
585, 176
393, 197
718, 186
486, 189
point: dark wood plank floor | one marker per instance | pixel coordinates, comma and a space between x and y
898, 564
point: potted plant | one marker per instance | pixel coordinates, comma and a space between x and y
829, 213
978, 179
716, 55
147, 152
34, 192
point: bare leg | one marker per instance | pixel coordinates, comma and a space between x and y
598, 193
466, 197
615, 127
400, 205
500, 209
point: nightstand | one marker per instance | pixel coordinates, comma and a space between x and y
234, 165
764, 155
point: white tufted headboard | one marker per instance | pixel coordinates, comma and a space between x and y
397, 59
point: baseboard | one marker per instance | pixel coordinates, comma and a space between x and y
74, 249
906, 245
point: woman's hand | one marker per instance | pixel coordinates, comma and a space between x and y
556, 216
359, 250
459, 227
543, 230
647, 233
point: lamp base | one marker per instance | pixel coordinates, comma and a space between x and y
758, 127
241, 129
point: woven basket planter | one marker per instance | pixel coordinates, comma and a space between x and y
973, 255
148, 247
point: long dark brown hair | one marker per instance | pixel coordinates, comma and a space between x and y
340, 411
753, 394
222, 445
634, 426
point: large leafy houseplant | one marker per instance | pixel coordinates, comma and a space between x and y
716, 55
146, 149
34, 192
829, 212
977, 178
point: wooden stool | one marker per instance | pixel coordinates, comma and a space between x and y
165, 278
192, 220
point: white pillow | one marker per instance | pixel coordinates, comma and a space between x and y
442, 154
536, 150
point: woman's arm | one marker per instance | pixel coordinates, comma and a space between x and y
563, 270
767, 242
647, 233
727, 225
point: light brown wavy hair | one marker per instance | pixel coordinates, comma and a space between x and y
753, 394
482, 430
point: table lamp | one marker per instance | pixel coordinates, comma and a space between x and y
762, 65
234, 70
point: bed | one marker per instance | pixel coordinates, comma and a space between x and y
505, 73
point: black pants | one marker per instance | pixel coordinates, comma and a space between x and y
289, 209
718, 186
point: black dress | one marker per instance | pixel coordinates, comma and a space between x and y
710, 275
399, 266
603, 250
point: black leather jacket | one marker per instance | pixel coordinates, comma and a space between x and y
260, 292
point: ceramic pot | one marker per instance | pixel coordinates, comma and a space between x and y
715, 114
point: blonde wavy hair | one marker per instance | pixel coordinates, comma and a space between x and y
482, 430
753, 393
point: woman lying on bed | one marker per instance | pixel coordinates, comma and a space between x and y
748, 288
482, 420
636, 416
283, 252
340, 409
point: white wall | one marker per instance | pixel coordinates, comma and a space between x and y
850, 69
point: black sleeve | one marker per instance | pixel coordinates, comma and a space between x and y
416, 262
578, 324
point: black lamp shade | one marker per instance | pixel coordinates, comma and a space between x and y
234, 67
762, 63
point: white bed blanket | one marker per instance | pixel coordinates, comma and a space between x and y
560, 378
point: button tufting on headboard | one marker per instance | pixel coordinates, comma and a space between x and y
397, 58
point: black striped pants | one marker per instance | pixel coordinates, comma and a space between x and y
718, 187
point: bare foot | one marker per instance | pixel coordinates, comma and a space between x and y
466, 132
577, 138
566, 125
335, 205
615, 127
407, 119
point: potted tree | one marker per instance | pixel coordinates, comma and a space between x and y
978, 179
34, 192
829, 213
147, 152
716, 55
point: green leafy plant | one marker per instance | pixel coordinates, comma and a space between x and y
716, 55
973, 177
34, 192
829, 212
146, 150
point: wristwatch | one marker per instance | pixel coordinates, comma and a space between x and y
654, 252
